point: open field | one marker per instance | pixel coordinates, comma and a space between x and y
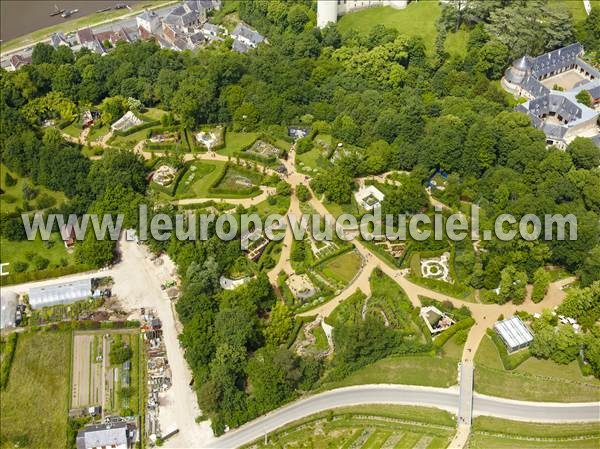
534, 380
418, 19
342, 268
495, 433
35, 402
371, 427
27, 251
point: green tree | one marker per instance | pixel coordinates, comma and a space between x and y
281, 325
303, 193
541, 282
584, 152
584, 98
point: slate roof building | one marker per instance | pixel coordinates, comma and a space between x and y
557, 111
62, 293
245, 38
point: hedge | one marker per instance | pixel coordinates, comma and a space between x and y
7, 358
444, 336
28, 276
509, 361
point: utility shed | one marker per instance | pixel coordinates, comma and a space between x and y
63, 293
514, 333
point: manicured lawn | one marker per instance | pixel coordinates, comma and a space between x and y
12, 196
312, 161
321, 339
534, 380
234, 142
496, 433
264, 208
234, 176
198, 179
98, 131
575, 7
74, 129
34, 406
24, 251
373, 426
342, 268
418, 19
410, 370
456, 43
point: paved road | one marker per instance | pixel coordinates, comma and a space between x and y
443, 398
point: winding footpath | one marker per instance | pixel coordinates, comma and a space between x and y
460, 400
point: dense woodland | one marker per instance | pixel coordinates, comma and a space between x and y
400, 105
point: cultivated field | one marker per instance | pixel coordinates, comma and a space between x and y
87, 378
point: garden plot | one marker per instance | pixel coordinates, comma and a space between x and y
94, 380
235, 179
301, 286
264, 150
323, 248
437, 268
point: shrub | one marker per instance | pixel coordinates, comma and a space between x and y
509, 361
119, 353
303, 145
45, 201
9, 181
303, 193
20, 267
443, 337
29, 192
40, 263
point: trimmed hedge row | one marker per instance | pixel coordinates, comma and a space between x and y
509, 361
86, 325
7, 358
444, 336
28, 276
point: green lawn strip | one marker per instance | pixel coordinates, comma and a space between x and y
418, 19
408, 441
73, 130
410, 370
280, 206
492, 433
35, 402
97, 132
312, 161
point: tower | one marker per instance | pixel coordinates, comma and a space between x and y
327, 12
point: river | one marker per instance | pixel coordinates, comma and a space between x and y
19, 17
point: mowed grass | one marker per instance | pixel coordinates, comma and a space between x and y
417, 19
409, 370
18, 251
342, 268
533, 380
34, 406
496, 433
234, 142
368, 427
195, 183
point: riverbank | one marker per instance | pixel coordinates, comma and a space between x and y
91, 20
